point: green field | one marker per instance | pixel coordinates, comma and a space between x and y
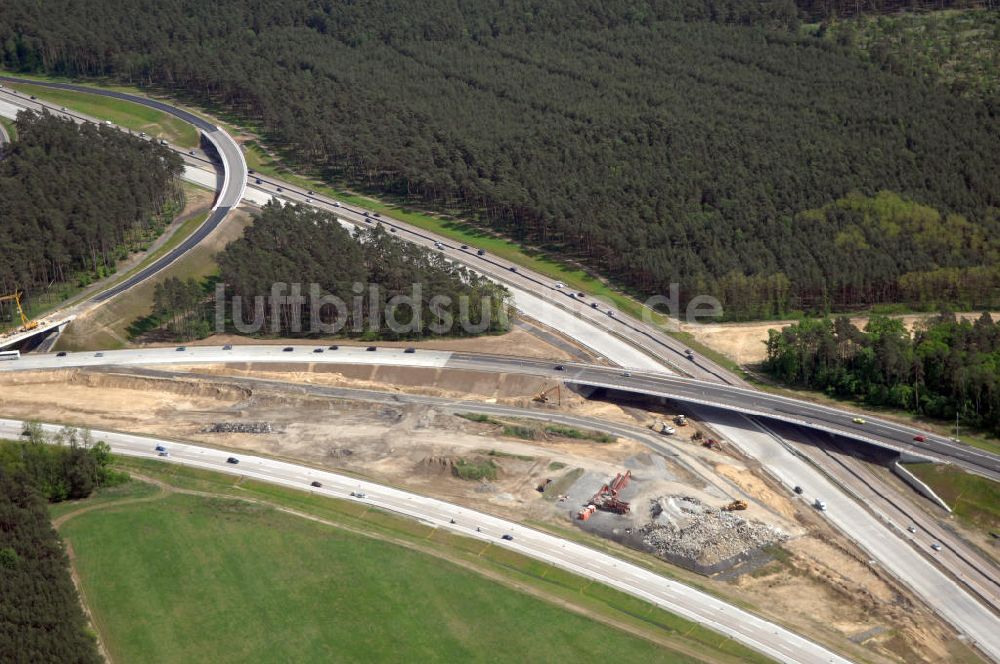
124, 114
186, 532
975, 499
199, 579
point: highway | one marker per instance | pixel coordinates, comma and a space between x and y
688, 390
970, 567
628, 343
624, 340
233, 165
747, 628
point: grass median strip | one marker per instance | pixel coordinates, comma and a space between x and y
202, 579
122, 113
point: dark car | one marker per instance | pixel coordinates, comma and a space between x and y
227, 347
366, 214
372, 348
232, 460
315, 484
920, 439
560, 367
507, 537
334, 347
392, 230
34, 97
465, 246
251, 171
593, 305
512, 268
580, 295
798, 489
376, 214
160, 448
280, 189
410, 350
481, 252
287, 349
181, 349
317, 350
310, 192
61, 353
258, 181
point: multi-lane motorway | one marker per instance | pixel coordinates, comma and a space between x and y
629, 343
679, 388
233, 165
748, 628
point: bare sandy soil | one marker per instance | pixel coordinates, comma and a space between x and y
821, 586
744, 342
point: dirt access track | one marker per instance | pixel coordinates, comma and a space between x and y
817, 582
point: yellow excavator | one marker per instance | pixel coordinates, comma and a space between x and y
543, 397
26, 324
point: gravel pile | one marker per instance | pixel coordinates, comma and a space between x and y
239, 427
685, 527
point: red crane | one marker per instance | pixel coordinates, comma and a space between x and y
607, 498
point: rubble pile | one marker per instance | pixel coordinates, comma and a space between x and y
239, 427
684, 527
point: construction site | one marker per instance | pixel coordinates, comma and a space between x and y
672, 491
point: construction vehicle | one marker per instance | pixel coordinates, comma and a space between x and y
607, 498
712, 444
586, 512
735, 506
543, 396
26, 323
680, 420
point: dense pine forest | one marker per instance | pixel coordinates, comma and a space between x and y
297, 245
945, 366
824, 9
74, 199
657, 141
41, 619
959, 49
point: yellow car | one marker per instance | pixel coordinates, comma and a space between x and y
858, 420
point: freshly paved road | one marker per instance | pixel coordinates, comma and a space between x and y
632, 343
688, 390
233, 164
751, 630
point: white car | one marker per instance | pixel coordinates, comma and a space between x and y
560, 284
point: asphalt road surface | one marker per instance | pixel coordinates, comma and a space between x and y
622, 340
687, 390
233, 164
748, 628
